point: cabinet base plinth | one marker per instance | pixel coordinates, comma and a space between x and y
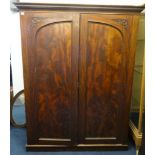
83, 147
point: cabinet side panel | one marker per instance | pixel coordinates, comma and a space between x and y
132, 35
25, 57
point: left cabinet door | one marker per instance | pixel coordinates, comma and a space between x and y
50, 44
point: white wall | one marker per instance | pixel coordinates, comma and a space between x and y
16, 54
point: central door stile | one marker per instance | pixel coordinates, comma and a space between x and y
82, 77
75, 75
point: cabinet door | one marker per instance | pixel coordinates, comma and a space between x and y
105, 78
50, 54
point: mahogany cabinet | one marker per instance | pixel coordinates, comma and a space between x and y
78, 72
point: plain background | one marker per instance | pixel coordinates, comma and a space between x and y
5, 37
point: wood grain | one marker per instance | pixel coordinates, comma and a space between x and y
78, 73
102, 76
78, 7
53, 72
53, 87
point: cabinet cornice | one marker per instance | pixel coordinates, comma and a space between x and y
80, 7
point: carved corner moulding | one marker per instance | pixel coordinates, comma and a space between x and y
36, 20
123, 22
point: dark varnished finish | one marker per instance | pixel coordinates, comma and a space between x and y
52, 70
78, 71
73, 7
104, 72
53, 87
83, 147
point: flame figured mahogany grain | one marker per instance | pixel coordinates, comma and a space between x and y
78, 71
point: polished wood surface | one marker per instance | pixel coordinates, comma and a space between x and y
53, 87
78, 7
52, 70
78, 74
102, 77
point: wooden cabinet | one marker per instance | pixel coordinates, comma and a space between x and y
78, 71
